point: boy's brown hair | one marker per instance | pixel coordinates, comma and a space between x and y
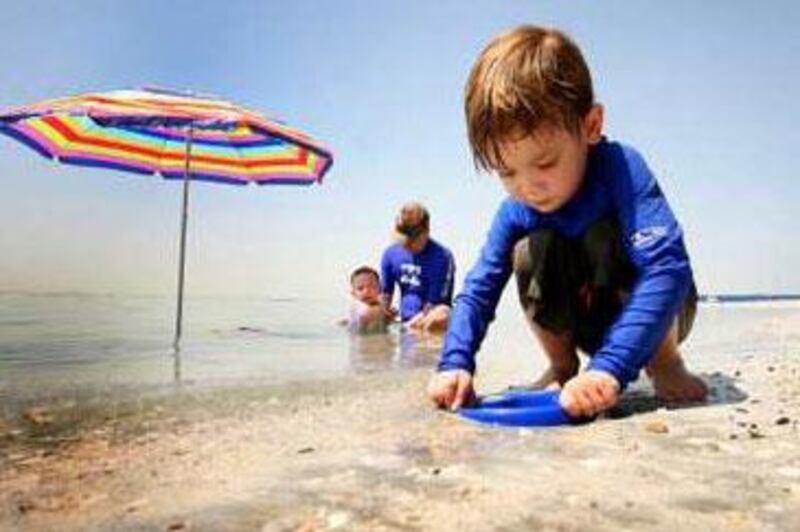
525, 78
364, 270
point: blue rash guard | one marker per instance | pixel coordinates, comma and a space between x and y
617, 180
425, 278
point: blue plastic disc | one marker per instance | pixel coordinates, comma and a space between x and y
520, 408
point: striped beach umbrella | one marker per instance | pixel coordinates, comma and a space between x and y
173, 134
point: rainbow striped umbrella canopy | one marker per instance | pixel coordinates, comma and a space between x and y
174, 134
146, 131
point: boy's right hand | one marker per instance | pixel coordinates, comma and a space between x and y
589, 393
451, 389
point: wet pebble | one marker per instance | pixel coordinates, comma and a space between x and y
783, 420
656, 426
305, 450
178, 525
24, 507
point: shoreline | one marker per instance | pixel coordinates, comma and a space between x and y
369, 453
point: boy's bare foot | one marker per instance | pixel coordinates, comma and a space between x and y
673, 382
555, 376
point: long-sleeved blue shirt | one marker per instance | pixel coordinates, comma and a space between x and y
425, 278
617, 180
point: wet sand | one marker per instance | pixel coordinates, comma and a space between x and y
368, 453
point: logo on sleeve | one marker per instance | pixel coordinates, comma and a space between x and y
648, 236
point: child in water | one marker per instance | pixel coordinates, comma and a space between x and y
367, 314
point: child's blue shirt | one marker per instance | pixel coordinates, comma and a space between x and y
617, 180
425, 278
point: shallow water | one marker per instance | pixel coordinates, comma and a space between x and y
67, 341
324, 444
56, 342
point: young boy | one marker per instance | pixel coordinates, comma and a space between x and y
598, 256
367, 314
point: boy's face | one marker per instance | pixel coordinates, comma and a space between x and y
545, 169
365, 288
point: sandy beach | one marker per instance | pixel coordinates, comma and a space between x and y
368, 453
204, 203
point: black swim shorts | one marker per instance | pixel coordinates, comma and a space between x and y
580, 284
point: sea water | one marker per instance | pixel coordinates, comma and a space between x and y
58, 342
51, 343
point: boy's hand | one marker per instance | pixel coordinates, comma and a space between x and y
589, 393
389, 313
451, 389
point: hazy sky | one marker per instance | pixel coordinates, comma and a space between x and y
708, 91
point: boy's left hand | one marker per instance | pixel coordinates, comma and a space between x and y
589, 393
390, 313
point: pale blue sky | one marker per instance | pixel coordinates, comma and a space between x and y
708, 91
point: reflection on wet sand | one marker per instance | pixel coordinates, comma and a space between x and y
395, 349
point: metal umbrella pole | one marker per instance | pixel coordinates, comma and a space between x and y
184, 217
94, 121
